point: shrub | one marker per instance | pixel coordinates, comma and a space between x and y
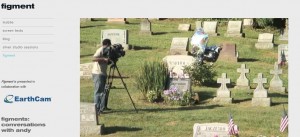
263, 22
201, 74
152, 77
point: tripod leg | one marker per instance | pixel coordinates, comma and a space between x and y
125, 87
108, 84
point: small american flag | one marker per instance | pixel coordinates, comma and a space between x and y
232, 128
284, 122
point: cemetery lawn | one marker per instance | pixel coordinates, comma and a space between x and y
160, 119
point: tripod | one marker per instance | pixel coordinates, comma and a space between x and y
109, 82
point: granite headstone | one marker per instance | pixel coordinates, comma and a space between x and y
116, 36
265, 41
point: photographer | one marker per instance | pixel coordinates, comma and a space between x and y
99, 75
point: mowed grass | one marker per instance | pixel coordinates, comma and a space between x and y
160, 119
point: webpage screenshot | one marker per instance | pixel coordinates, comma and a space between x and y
132, 68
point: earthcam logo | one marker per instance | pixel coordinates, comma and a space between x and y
17, 99
9, 99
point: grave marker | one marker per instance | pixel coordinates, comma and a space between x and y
117, 20
86, 70
242, 82
210, 130
248, 22
223, 94
210, 27
88, 120
234, 29
179, 46
260, 95
265, 41
276, 83
198, 24
184, 27
183, 84
85, 19
228, 53
176, 64
116, 36
145, 27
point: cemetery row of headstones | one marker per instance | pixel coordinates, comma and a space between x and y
260, 94
179, 45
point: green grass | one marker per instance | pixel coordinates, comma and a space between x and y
160, 119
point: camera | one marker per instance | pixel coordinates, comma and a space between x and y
114, 52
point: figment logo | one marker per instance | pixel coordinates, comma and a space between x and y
17, 99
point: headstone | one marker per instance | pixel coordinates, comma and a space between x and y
234, 29
210, 130
88, 121
276, 83
223, 94
198, 24
228, 53
176, 64
86, 70
179, 46
285, 32
154, 18
242, 82
85, 19
265, 41
260, 95
183, 84
184, 27
117, 20
210, 27
146, 27
248, 22
116, 36
283, 53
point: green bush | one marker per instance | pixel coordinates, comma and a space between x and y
152, 76
263, 22
201, 74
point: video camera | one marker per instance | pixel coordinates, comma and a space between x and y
114, 52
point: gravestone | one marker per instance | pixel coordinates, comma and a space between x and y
184, 27
116, 36
198, 24
176, 64
85, 19
183, 84
260, 95
223, 94
86, 70
117, 20
284, 34
283, 53
88, 121
276, 83
228, 53
178, 78
242, 82
179, 46
210, 130
248, 22
210, 27
265, 41
234, 29
145, 27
